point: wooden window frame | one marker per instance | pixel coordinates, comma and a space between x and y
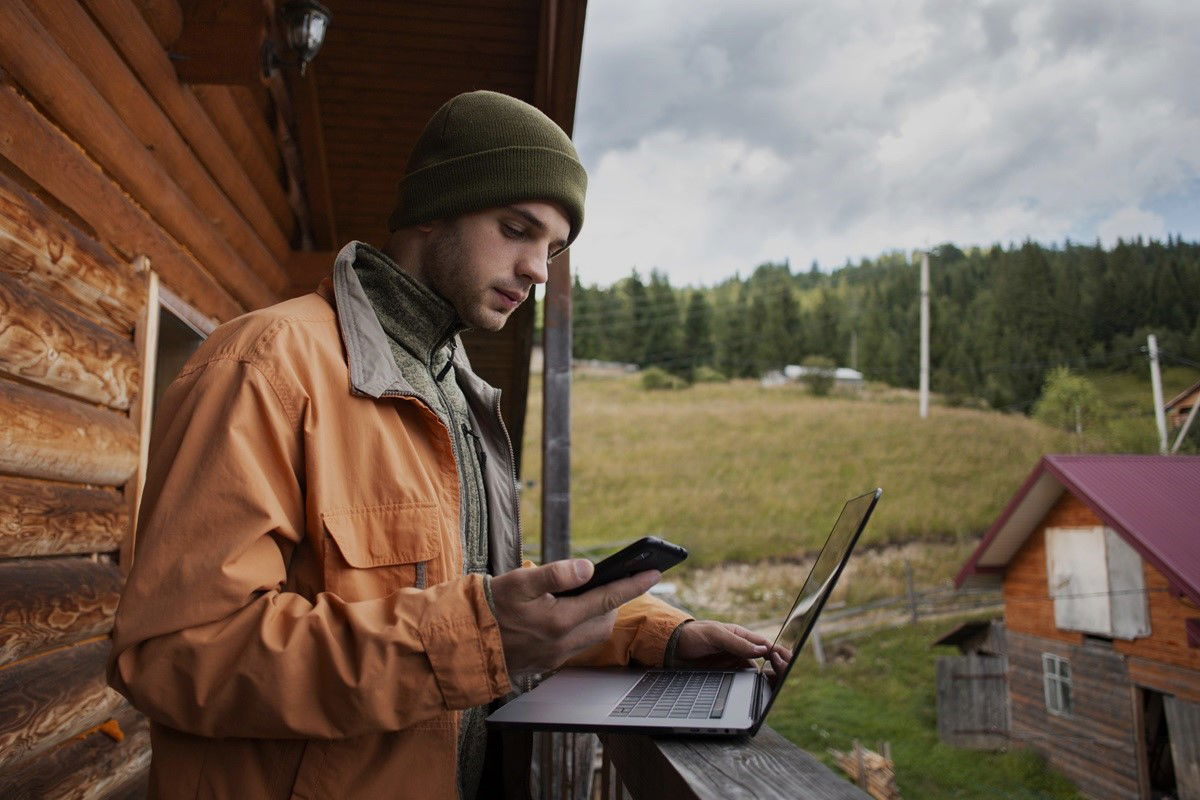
1054, 681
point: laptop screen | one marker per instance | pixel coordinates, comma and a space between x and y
813, 594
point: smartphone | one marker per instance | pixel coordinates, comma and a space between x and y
649, 552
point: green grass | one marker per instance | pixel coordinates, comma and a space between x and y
734, 471
1130, 427
887, 694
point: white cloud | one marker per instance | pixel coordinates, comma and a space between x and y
1128, 222
718, 136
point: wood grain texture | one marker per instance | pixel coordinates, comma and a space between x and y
1095, 744
1167, 678
257, 115
45, 701
40, 518
1169, 613
30, 54
94, 766
113, 82
767, 767
45, 343
150, 63
52, 602
55, 162
164, 17
261, 166
45, 251
43, 435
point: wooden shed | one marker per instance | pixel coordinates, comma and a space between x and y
154, 184
1099, 558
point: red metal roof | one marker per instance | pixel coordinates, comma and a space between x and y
1153, 502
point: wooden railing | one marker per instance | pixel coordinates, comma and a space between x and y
636, 767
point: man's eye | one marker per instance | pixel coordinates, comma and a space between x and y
513, 232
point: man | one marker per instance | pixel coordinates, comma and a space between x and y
325, 596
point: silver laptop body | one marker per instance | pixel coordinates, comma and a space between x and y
692, 701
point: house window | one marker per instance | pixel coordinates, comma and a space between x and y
1056, 680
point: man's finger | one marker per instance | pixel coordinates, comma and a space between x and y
749, 635
557, 576
606, 598
734, 643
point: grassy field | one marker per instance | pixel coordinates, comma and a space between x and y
886, 693
1130, 425
734, 471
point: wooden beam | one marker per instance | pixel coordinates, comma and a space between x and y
44, 251
164, 18
136, 43
257, 116
311, 140
40, 518
29, 53
261, 167
220, 42
48, 699
45, 343
48, 436
718, 769
53, 602
200, 323
54, 161
238, 213
91, 765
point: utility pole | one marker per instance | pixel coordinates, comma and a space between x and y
924, 334
1160, 416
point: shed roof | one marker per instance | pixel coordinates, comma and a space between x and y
1182, 398
1153, 502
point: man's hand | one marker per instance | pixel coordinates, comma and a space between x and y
718, 644
540, 631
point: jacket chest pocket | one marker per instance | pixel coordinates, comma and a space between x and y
375, 550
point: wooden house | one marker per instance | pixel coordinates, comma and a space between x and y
153, 184
1099, 558
1179, 407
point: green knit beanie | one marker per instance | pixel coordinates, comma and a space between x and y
484, 150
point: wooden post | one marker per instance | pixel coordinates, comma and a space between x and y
146, 338
912, 592
556, 414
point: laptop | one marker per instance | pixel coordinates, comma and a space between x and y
691, 701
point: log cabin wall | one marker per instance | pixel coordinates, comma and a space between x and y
114, 175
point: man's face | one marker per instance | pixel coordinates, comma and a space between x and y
486, 263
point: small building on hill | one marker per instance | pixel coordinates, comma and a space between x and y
1180, 406
1099, 560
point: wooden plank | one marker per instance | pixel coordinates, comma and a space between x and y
1164, 677
44, 251
164, 18
311, 138
42, 342
52, 602
147, 346
40, 518
261, 167
46, 700
55, 162
85, 766
31, 56
259, 121
766, 767
43, 435
308, 269
1183, 725
257, 202
218, 196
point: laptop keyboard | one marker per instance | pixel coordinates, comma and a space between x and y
677, 695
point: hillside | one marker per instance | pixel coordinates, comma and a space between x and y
734, 471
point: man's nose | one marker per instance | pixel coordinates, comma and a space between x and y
534, 266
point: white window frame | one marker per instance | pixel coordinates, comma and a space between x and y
1056, 684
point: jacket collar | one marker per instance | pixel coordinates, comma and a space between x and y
373, 369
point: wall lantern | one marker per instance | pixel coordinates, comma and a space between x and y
304, 26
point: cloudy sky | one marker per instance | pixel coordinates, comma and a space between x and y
718, 135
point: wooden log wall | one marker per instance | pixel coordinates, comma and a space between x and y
1095, 745
108, 164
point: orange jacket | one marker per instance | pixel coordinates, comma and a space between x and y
295, 622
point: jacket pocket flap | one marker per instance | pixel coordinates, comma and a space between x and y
375, 536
